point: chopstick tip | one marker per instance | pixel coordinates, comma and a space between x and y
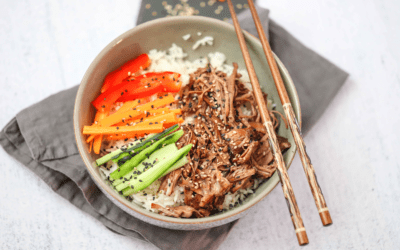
302, 238
325, 218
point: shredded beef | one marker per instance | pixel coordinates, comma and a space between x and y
181, 211
230, 149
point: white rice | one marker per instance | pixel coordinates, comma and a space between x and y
174, 60
186, 37
207, 40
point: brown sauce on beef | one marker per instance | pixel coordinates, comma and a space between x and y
230, 149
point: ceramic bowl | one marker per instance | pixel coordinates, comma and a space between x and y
160, 34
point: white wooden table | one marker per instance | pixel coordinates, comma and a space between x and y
46, 47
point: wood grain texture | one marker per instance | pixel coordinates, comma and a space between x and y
307, 166
280, 86
281, 168
286, 186
294, 126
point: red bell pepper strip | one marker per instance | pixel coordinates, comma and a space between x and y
141, 92
117, 76
169, 83
157, 76
166, 78
129, 89
169, 80
172, 85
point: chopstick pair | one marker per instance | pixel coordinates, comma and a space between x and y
294, 126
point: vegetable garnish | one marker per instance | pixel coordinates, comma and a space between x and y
96, 144
138, 116
180, 163
169, 118
163, 101
90, 138
170, 80
136, 111
153, 113
152, 83
124, 136
121, 117
130, 105
138, 87
117, 153
154, 171
132, 67
153, 158
139, 129
130, 161
160, 111
141, 91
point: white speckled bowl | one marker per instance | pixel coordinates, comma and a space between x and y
160, 34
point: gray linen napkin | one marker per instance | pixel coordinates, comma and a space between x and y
41, 137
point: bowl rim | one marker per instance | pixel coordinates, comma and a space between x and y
232, 214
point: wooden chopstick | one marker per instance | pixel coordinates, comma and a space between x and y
281, 168
294, 126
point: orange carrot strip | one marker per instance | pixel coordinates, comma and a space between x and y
90, 138
159, 111
170, 117
131, 114
168, 123
119, 117
157, 103
167, 120
97, 144
98, 139
154, 112
99, 116
165, 110
156, 118
176, 111
122, 137
139, 129
129, 105
119, 124
126, 122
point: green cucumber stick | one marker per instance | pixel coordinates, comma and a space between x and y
110, 156
180, 163
118, 154
152, 160
148, 177
147, 142
157, 156
134, 161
